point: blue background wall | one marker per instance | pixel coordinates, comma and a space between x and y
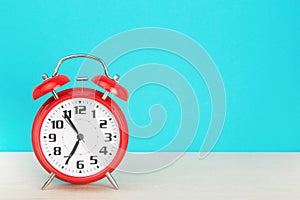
255, 44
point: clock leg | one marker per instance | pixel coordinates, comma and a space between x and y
51, 177
112, 180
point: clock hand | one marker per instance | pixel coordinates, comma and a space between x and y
72, 152
69, 121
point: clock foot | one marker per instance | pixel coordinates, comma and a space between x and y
51, 177
112, 180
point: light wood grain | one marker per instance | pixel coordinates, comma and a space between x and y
219, 176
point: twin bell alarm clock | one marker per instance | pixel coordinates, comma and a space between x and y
80, 135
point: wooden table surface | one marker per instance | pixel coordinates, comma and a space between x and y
221, 176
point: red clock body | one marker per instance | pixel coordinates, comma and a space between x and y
79, 136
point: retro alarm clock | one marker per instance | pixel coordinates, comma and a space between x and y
80, 135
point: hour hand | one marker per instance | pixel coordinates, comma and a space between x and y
72, 152
69, 121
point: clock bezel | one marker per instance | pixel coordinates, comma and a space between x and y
79, 93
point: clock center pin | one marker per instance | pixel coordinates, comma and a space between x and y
80, 136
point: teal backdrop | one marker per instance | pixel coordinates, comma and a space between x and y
255, 45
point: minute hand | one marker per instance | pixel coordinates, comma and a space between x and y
69, 121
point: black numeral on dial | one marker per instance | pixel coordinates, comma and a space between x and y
57, 151
52, 137
103, 123
93, 160
57, 124
67, 113
80, 164
80, 110
94, 113
108, 137
103, 150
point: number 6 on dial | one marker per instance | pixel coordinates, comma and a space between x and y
80, 135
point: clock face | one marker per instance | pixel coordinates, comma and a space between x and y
79, 137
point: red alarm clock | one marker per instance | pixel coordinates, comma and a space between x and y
80, 135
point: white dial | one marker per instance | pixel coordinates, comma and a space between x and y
80, 137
